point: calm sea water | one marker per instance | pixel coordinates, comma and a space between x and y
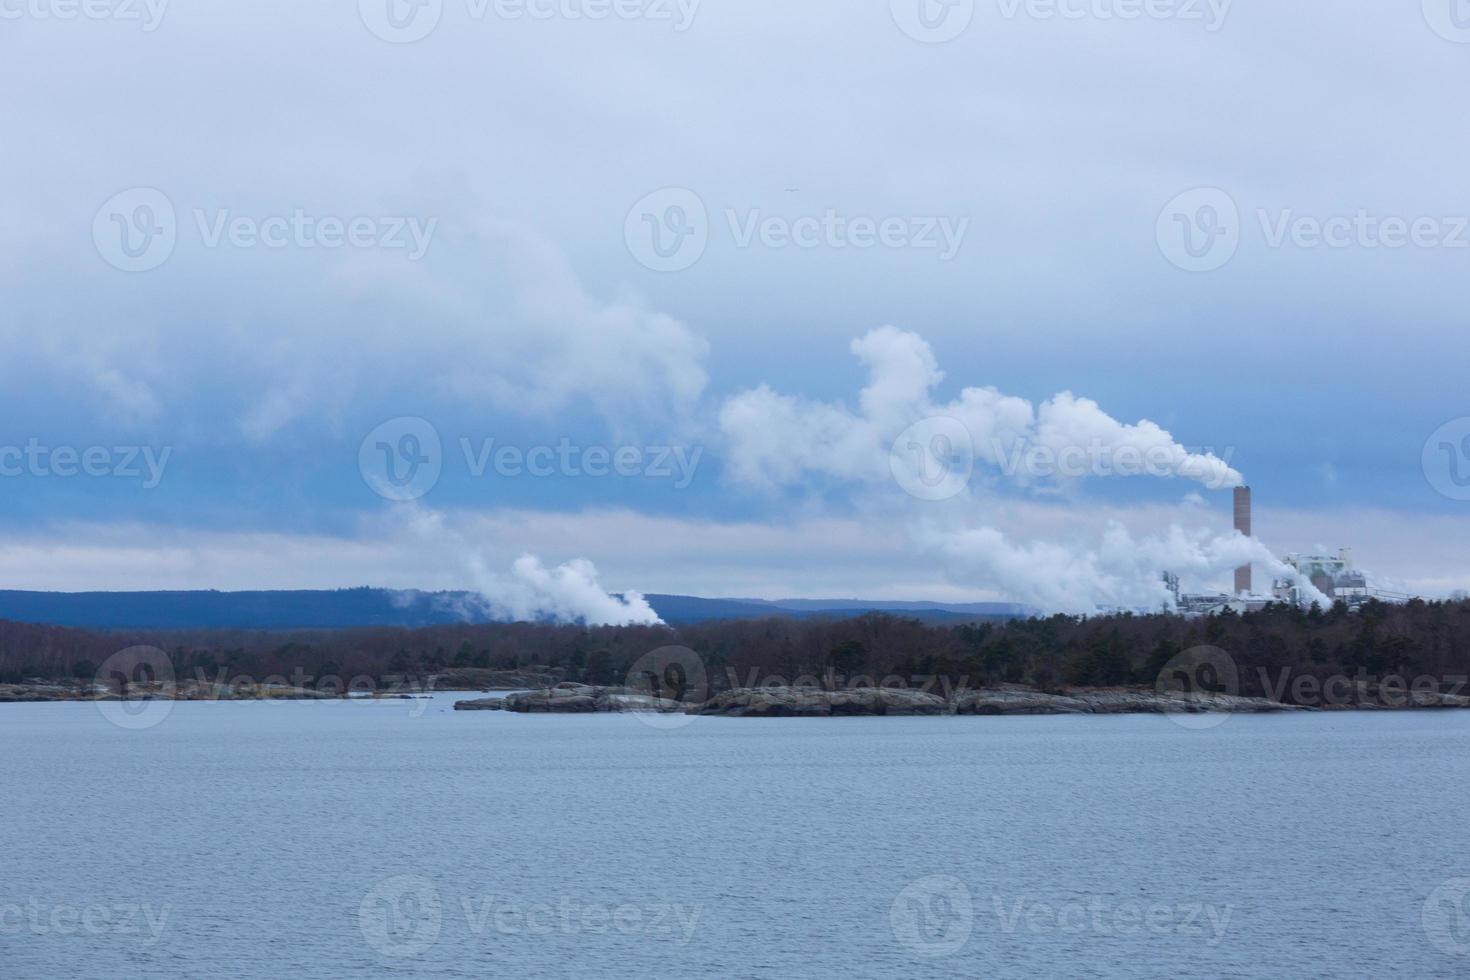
353, 840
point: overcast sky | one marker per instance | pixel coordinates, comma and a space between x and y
241, 237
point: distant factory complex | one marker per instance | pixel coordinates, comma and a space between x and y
1332, 575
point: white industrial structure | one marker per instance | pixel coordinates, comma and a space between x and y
1333, 576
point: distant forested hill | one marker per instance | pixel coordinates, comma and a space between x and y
349, 608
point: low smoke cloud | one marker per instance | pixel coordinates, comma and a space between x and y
531, 592
569, 593
1120, 571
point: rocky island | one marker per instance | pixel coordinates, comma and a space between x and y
777, 702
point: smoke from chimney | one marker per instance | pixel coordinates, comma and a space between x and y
1243, 525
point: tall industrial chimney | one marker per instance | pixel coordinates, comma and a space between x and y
1243, 525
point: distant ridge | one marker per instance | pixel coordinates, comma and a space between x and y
677, 609
367, 607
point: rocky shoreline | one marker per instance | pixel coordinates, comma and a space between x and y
241, 689
788, 702
761, 702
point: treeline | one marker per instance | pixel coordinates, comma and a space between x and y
1414, 640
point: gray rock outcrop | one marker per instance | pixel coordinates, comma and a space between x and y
767, 702
569, 698
1152, 702
1017, 702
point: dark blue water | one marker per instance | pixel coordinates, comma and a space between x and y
353, 840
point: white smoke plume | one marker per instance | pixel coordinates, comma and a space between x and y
1120, 571
779, 441
568, 593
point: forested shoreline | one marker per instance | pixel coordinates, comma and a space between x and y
1415, 640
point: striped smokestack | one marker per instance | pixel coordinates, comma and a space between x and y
1243, 525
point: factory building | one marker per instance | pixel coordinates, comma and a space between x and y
1333, 576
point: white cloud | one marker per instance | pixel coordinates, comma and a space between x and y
556, 344
503, 323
